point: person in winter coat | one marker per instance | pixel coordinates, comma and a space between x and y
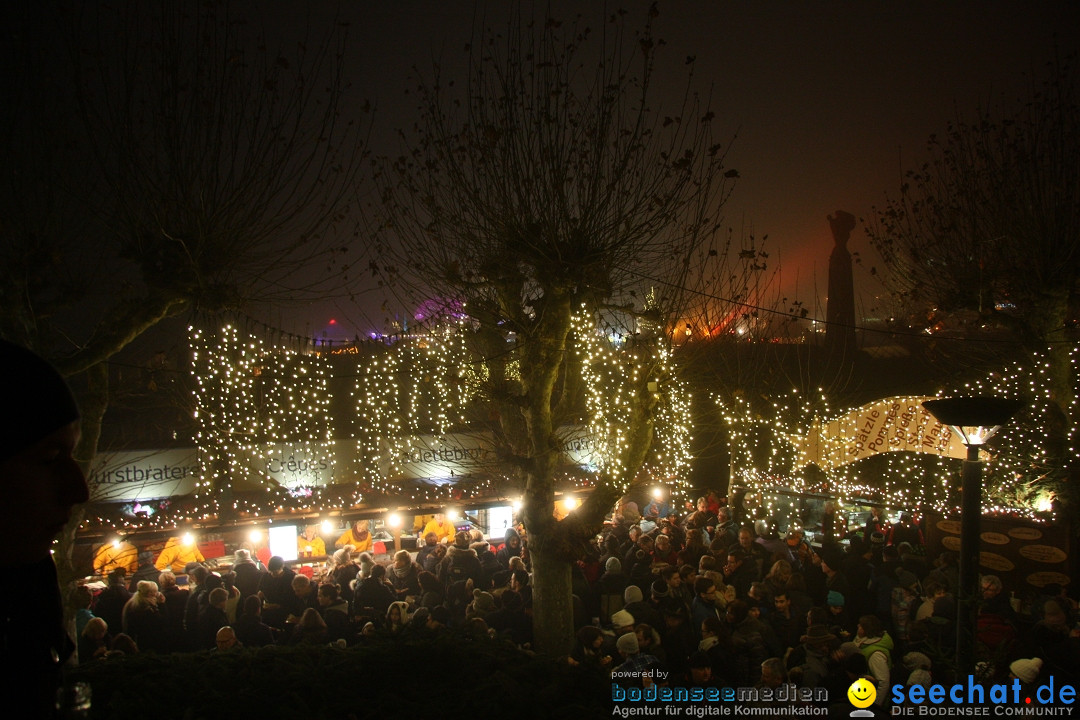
335, 612
404, 574
489, 566
275, 590
373, 592
212, 618
397, 617
144, 620
145, 571
511, 548
250, 629
310, 629
248, 574
876, 646
431, 542
111, 601
460, 563
42, 483
433, 593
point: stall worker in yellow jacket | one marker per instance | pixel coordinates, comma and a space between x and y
358, 536
118, 553
441, 526
309, 544
178, 553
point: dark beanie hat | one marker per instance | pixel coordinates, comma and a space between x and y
37, 400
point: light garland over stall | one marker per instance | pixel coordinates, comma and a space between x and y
770, 446
262, 405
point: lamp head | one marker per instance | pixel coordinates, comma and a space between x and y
974, 419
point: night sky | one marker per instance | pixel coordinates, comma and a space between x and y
830, 101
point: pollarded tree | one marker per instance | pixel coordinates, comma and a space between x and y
990, 226
551, 183
172, 161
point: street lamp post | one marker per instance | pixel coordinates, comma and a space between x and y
975, 420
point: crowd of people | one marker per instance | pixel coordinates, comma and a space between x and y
460, 584
708, 599
713, 599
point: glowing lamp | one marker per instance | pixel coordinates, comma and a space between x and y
975, 420
1045, 502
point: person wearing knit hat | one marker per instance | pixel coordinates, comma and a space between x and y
920, 677
42, 483
817, 634
627, 644
613, 565
483, 603
621, 620
917, 661
367, 564
834, 599
632, 594
906, 579
659, 590
846, 649
1026, 669
341, 556
635, 661
833, 557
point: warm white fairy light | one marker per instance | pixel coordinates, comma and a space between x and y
764, 459
256, 397
1028, 465
629, 380
1021, 478
226, 370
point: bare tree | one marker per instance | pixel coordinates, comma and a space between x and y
989, 228
550, 183
191, 166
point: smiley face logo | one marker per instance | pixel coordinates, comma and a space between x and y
862, 693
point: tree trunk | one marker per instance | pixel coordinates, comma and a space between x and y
92, 405
553, 627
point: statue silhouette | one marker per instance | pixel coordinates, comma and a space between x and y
840, 312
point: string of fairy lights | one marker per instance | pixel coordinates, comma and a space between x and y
1023, 471
615, 372
261, 401
262, 404
1027, 470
